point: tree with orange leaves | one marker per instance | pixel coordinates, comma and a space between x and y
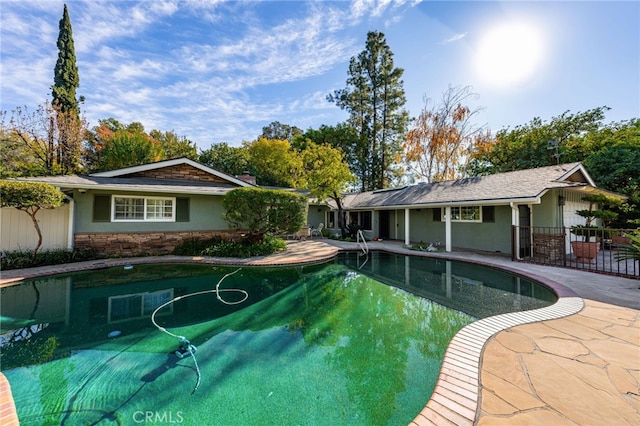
113, 145
437, 147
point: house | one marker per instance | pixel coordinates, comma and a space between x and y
475, 213
153, 207
143, 209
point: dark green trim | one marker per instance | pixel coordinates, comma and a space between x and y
182, 210
102, 208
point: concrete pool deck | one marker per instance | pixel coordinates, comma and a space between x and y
574, 363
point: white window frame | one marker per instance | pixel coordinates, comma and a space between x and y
145, 217
457, 217
143, 297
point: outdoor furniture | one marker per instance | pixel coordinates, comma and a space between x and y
303, 233
317, 232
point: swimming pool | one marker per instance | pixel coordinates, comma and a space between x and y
347, 342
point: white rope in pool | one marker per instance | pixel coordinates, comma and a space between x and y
185, 345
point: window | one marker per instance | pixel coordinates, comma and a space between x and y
362, 218
132, 306
331, 220
128, 209
365, 221
464, 214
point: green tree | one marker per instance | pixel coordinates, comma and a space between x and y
66, 78
375, 99
277, 130
227, 159
327, 175
65, 82
612, 156
175, 146
115, 144
265, 211
274, 162
613, 161
341, 136
30, 197
535, 144
127, 149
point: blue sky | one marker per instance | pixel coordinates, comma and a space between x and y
217, 71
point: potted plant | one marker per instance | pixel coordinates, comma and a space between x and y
587, 250
630, 250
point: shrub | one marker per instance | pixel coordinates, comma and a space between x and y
632, 250
192, 247
19, 259
220, 248
265, 211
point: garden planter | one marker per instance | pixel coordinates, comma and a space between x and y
584, 252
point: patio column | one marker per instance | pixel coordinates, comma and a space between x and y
515, 221
406, 227
447, 228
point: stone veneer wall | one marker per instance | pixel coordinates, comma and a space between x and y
145, 243
179, 172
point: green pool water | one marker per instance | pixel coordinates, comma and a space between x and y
353, 341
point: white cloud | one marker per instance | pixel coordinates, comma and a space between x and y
454, 38
208, 88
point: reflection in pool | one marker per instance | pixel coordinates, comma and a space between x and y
347, 342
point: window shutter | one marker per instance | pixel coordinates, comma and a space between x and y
102, 208
488, 214
437, 214
182, 210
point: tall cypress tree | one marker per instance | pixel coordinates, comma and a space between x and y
66, 81
375, 99
65, 74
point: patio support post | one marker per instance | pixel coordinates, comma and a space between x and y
447, 228
515, 221
407, 240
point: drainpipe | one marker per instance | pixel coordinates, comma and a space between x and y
407, 240
515, 221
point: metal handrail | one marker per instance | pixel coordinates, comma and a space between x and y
363, 245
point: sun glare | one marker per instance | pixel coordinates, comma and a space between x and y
509, 54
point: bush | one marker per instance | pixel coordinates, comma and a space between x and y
220, 248
19, 259
630, 251
265, 211
193, 247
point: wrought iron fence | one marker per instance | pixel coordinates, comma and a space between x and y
591, 249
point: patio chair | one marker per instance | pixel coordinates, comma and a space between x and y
317, 232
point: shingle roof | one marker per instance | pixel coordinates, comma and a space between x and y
497, 188
136, 184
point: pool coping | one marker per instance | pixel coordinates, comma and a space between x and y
455, 399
